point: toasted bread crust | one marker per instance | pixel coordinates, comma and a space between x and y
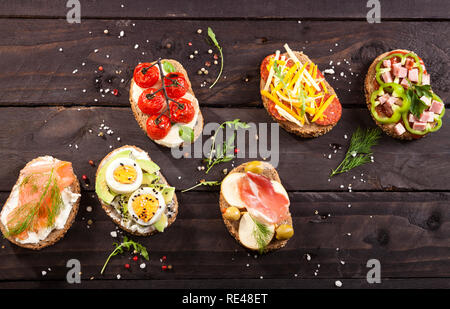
369, 87
233, 226
308, 130
141, 118
54, 235
115, 216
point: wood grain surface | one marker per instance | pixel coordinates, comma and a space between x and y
54, 99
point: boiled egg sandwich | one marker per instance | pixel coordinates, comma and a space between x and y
255, 207
134, 193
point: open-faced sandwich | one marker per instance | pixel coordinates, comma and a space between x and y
399, 96
255, 207
296, 95
134, 193
164, 103
42, 205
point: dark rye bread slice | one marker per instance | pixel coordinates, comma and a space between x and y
308, 130
141, 118
116, 216
369, 87
233, 226
54, 235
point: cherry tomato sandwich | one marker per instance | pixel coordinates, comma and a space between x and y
164, 103
296, 94
255, 207
42, 205
399, 96
134, 193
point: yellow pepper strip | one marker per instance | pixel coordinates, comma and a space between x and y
297, 76
323, 86
314, 72
290, 72
277, 102
323, 107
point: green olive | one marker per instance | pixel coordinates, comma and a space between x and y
284, 231
254, 167
232, 213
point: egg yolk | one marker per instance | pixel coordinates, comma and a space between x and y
125, 174
145, 206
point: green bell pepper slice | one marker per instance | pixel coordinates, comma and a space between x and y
402, 56
396, 91
429, 129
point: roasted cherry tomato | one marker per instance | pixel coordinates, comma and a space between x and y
158, 128
145, 75
184, 112
176, 85
152, 102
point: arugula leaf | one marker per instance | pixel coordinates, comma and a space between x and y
168, 67
212, 36
126, 244
186, 134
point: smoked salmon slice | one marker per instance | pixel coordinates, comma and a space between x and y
39, 196
258, 194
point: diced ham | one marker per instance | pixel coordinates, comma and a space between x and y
392, 100
387, 77
427, 117
409, 64
425, 79
413, 75
425, 100
399, 71
404, 83
383, 98
436, 107
387, 110
419, 126
412, 118
387, 63
399, 128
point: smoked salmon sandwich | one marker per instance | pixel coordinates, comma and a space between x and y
134, 193
296, 94
164, 103
399, 96
42, 205
255, 207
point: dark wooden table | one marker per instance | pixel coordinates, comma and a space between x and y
50, 100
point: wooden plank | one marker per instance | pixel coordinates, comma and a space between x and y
26, 133
407, 232
35, 72
175, 9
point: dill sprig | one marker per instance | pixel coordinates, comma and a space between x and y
204, 183
360, 150
126, 244
223, 153
212, 36
261, 233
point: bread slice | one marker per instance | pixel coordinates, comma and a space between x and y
369, 87
116, 216
141, 118
54, 235
308, 130
233, 226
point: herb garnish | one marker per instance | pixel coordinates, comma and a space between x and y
360, 151
212, 36
223, 153
126, 244
168, 67
186, 133
204, 183
414, 93
261, 233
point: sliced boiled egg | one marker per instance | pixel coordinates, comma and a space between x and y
146, 206
230, 190
123, 175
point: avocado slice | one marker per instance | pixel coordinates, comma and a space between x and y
165, 190
148, 166
101, 188
148, 179
161, 224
